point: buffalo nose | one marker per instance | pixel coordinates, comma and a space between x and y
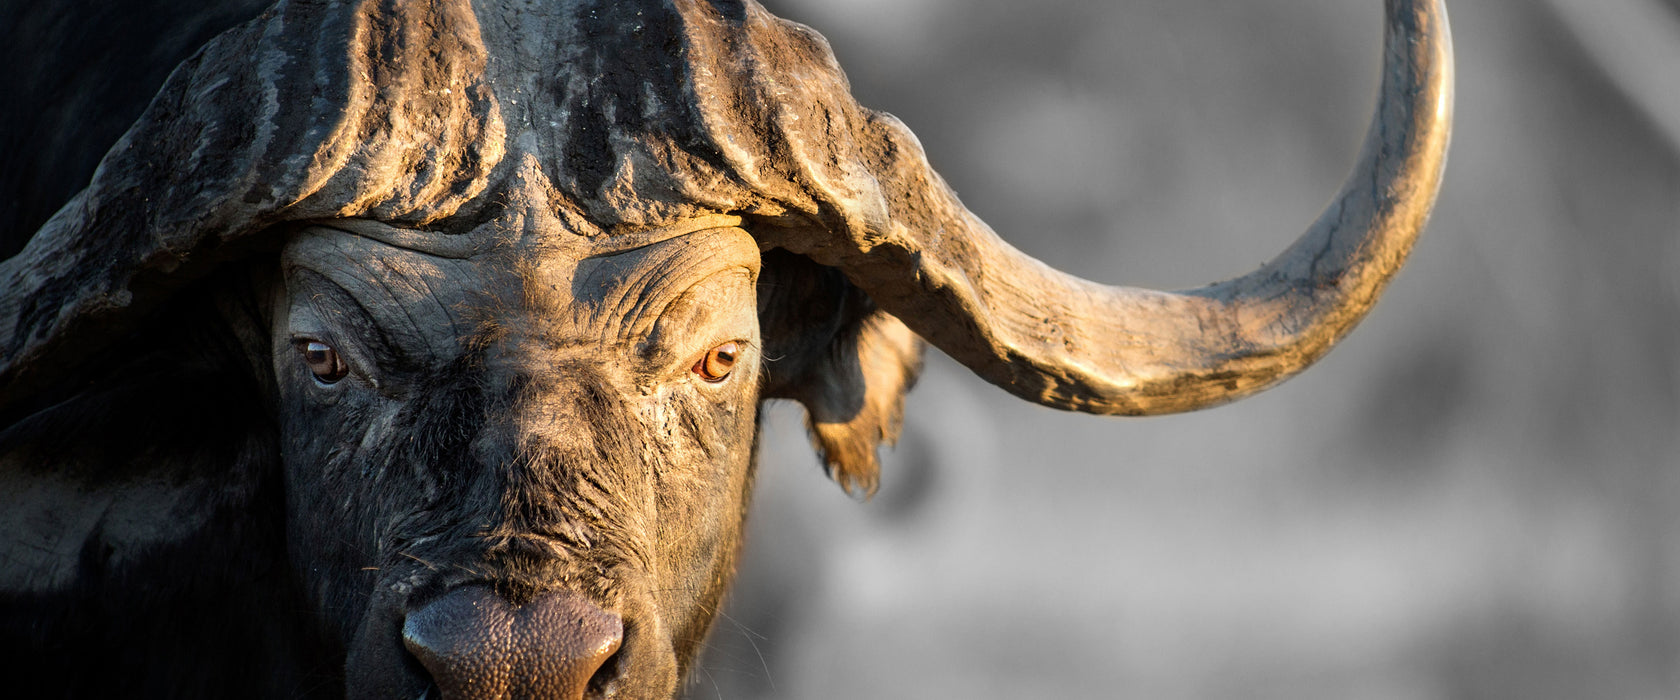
475, 644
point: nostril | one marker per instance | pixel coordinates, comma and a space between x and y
474, 643
605, 680
572, 644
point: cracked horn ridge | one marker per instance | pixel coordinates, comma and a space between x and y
1068, 343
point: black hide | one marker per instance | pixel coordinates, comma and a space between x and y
187, 513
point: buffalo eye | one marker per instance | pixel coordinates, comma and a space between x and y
717, 363
324, 362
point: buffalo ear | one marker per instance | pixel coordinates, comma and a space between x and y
849, 364
157, 469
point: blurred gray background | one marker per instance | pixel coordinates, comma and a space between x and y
1474, 496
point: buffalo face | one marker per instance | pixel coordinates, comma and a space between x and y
520, 432
435, 334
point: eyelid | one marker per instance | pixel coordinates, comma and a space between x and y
743, 344
321, 298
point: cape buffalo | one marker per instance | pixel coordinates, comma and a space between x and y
403, 349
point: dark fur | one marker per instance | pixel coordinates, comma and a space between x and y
195, 617
92, 64
187, 402
239, 573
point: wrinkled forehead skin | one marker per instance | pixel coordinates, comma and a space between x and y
593, 117
543, 284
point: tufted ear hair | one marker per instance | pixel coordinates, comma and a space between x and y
849, 363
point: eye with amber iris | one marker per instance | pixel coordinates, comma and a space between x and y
718, 362
324, 362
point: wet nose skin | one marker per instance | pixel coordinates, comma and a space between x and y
477, 645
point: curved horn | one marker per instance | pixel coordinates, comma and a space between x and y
310, 111
1068, 343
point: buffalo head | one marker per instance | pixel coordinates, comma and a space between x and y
417, 348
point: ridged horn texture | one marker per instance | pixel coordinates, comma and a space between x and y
605, 118
1065, 342
310, 111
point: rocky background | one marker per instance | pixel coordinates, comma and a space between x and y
1475, 496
